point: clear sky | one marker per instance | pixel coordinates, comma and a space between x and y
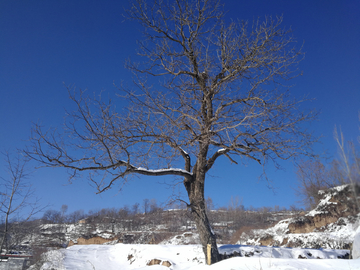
85, 43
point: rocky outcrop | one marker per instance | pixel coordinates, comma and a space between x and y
337, 211
336, 202
92, 240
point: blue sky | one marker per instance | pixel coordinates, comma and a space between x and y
44, 44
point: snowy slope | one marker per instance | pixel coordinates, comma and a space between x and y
332, 224
337, 235
190, 257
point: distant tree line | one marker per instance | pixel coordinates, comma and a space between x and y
149, 206
175, 218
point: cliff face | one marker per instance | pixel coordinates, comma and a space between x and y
336, 203
331, 224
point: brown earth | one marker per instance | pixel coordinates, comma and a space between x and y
333, 205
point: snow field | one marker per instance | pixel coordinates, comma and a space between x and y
190, 257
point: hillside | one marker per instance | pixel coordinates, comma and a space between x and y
160, 226
332, 224
330, 227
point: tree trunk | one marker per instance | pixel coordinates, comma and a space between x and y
195, 189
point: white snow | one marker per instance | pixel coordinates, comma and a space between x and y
184, 239
331, 238
356, 245
186, 153
170, 170
181, 252
326, 200
191, 257
331, 235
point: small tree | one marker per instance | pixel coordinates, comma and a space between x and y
312, 176
146, 206
52, 216
63, 210
17, 202
349, 162
76, 216
220, 94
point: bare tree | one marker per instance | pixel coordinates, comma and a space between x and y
63, 210
17, 201
349, 162
52, 216
154, 207
312, 176
220, 92
76, 216
209, 204
135, 208
146, 205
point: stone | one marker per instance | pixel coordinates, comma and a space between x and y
153, 262
166, 263
158, 262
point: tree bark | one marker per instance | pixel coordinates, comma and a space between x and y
195, 190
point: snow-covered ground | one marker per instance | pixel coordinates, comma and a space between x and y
182, 253
191, 257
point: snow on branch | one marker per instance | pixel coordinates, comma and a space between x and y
171, 171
